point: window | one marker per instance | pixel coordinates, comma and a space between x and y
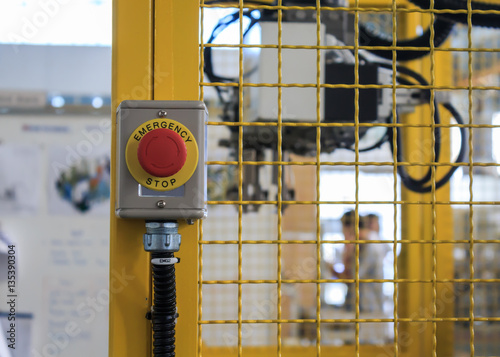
56, 22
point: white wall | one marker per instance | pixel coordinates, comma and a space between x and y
62, 254
56, 69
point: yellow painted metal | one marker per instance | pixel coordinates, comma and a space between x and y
420, 302
158, 58
176, 61
176, 68
444, 268
426, 222
378, 3
155, 56
413, 259
299, 351
129, 331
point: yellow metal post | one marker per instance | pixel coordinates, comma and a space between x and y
129, 331
425, 300
176, 61
155, 56
445, 269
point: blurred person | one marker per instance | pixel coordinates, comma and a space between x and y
371, 257
346, 270
373, 223
371, 265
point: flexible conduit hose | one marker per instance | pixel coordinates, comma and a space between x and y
164, 311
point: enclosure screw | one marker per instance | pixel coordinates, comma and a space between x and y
161, 204
162, 113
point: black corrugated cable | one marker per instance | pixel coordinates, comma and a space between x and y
162, 239
165, 307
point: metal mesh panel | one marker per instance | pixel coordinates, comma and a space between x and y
264, 263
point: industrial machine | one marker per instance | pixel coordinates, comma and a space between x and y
356, 85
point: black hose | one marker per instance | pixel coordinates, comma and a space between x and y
443, 26
420, 187
437, 120
227, 106
369, 37
220, 27
484, 20
377, 145
164, 312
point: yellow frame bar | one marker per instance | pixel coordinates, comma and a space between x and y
176, 55
155, 56
129, 331
428, 222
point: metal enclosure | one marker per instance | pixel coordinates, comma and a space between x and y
135, 201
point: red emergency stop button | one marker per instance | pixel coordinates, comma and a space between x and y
162, 152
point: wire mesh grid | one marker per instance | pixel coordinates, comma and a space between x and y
245, 283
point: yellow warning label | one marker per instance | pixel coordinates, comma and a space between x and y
154, 182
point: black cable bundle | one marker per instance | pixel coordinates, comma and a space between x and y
425, 183
491, 20
442, 28
164, 311
228, 106
369, 37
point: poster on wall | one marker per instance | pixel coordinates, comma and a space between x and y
19, 179
79, 181
74, 316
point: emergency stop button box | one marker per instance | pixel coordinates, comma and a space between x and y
161, 149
